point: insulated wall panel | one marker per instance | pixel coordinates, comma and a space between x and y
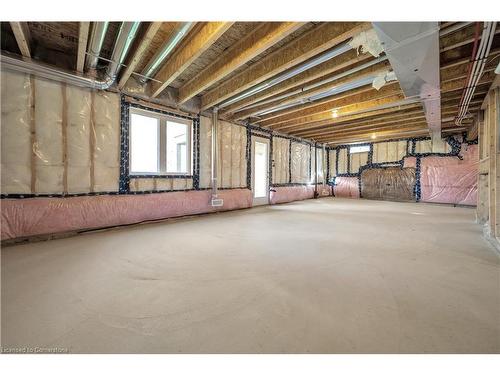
300, 162
16, 134
423, 146
77, 139
392, 183
358, 159
280, 160
232, 142
106, 128
332, 154
48, 146
384, 152
342, 163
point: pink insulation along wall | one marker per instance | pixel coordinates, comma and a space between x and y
285, 194
346, 187
38, 216
450, 180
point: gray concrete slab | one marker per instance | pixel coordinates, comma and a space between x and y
318, 276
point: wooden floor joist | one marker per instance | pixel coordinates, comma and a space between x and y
263, 37
83, 35
312, 43
151, 31
22, 35
199, 41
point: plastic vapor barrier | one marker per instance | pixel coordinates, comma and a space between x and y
450, 180
39, 216
358, 159
332, 154
342, 162
391, 183
16, 133
384, 152
232, 140
280, 160
300, 162
346, 187
77, 139
74, 135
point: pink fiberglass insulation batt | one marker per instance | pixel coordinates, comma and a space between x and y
346, 187
29, 217
291, 193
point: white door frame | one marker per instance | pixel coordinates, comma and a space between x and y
260, 200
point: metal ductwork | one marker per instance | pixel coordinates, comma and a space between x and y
413, 51
126, 35
289, 74
96, 41
317, 84
369, 80
177, 35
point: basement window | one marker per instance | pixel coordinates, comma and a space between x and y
358, 149
159, 144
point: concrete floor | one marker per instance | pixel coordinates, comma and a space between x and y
318, 276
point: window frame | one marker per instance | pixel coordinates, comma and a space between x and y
163, 120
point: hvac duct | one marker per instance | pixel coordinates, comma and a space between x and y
95, 43
413, 51
160, 56
124, 40
333, 91
317, 84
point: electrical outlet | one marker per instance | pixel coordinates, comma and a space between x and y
217, 202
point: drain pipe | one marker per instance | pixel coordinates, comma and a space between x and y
126, 35
315, 170
215, 201
95, 44
478, 61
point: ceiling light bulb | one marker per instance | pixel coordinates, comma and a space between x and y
335, 113
374, 136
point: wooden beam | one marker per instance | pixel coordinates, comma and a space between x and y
297, 51
83, 36
354, 97
370, 71
366, 123
333, 66
201, 39
139, 52
493, 174
390, 135
22, 35
263, 37
329, 121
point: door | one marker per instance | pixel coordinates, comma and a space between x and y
260, 170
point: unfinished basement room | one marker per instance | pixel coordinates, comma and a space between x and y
250, 187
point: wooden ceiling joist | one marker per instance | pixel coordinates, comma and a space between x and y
263, 37
316, 41
354, 97
199, 41
22, 35
83, 35
324, 70
352, 78
151, 31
